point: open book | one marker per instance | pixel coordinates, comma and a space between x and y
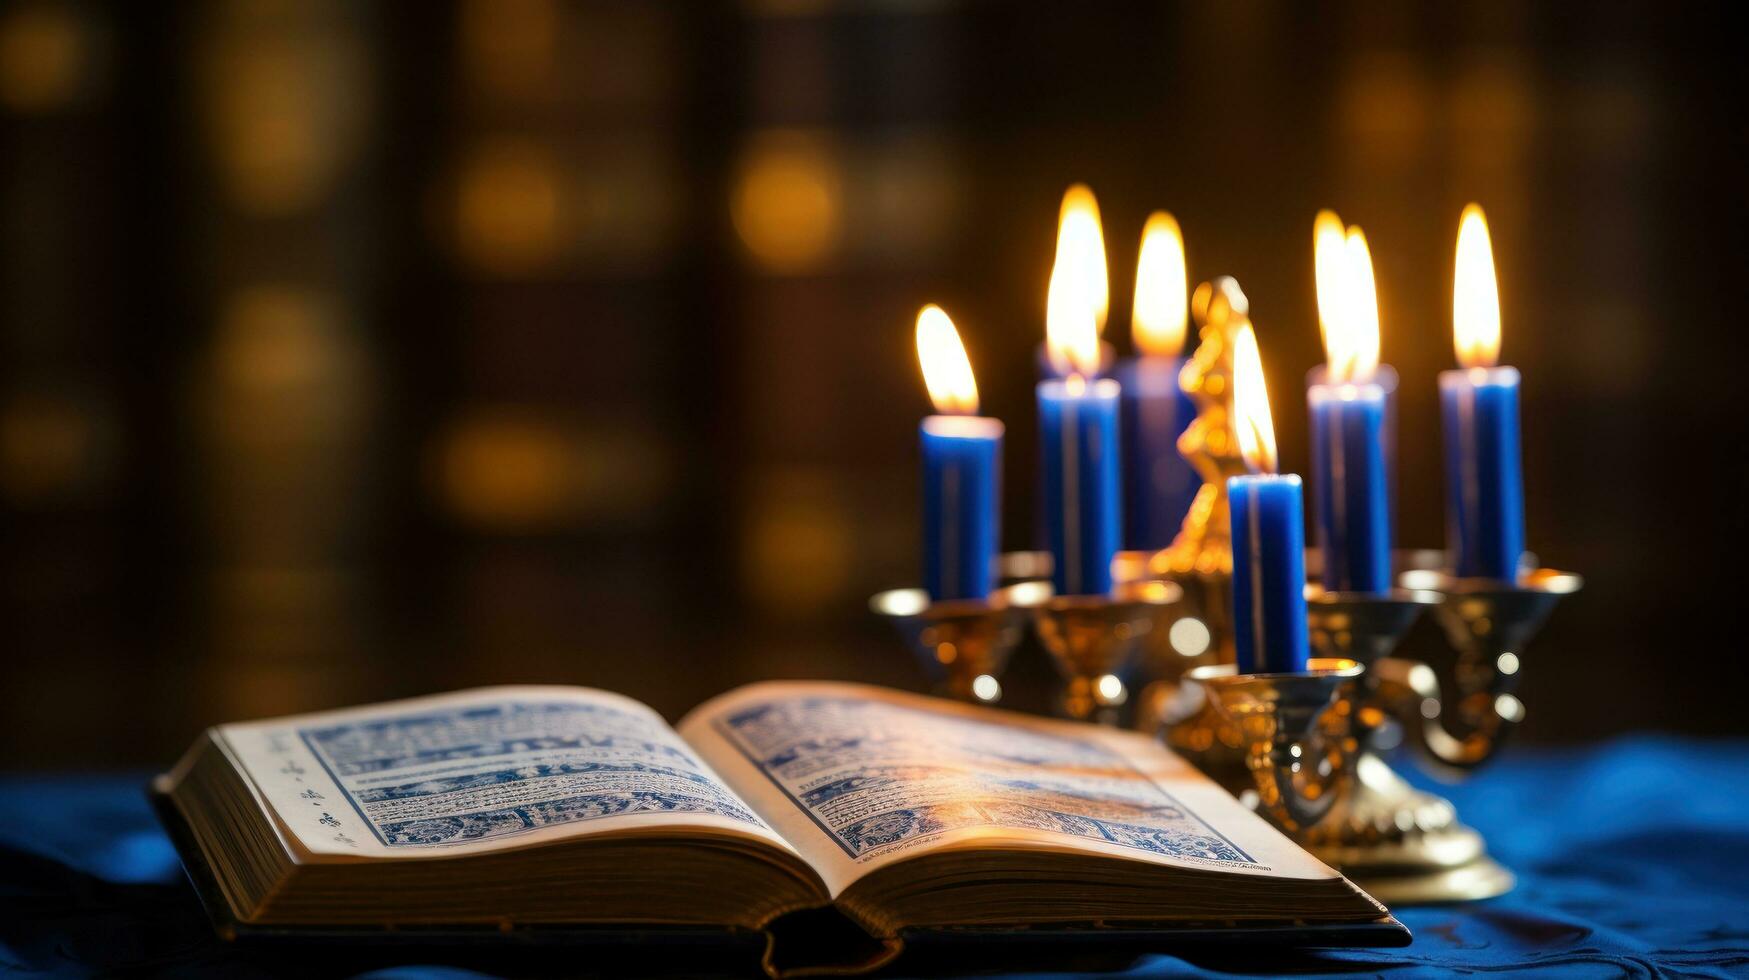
527, 807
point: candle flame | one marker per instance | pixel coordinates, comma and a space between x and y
1475, 301
1076, 304
1348, 306
1251, 419
1071, 329
1161, 313
947, 373
1358, 353
1081, 248
1330, 271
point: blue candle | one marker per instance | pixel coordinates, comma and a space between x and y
1349, 489
1078, 419
1484, 480
1159, 483
1268, 532
1385, 377
1269, 573
1078, 437
962, 467
1348, 318
962, 470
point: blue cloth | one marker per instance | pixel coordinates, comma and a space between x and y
1633, 859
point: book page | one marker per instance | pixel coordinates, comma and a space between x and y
489, 769
859, 777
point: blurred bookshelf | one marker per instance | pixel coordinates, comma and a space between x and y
359, 350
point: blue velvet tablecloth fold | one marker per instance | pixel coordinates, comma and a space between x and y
1632, 856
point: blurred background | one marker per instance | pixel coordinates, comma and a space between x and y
360, 350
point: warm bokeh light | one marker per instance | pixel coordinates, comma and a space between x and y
45, 54
53, 443
788, 201
510, 209
511, 47
508, 470
798, 540
947, 373
1071, 322
1330, 272
1251, 419
1475, 300
513, 468
1081, 249
1162, 309
287, 102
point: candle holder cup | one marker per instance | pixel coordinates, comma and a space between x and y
963, 644
1488, 623
1093, 640
1183, 635
1291, 728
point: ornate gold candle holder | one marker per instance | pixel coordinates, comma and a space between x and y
1401, 844
963, 644
1293, 734
1488, 623
1303, 736
1093, 639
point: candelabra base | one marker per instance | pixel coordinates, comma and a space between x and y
1472, 881
1403, 845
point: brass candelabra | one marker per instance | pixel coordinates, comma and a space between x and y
1308, 745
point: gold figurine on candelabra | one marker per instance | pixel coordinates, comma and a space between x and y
1204, 546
